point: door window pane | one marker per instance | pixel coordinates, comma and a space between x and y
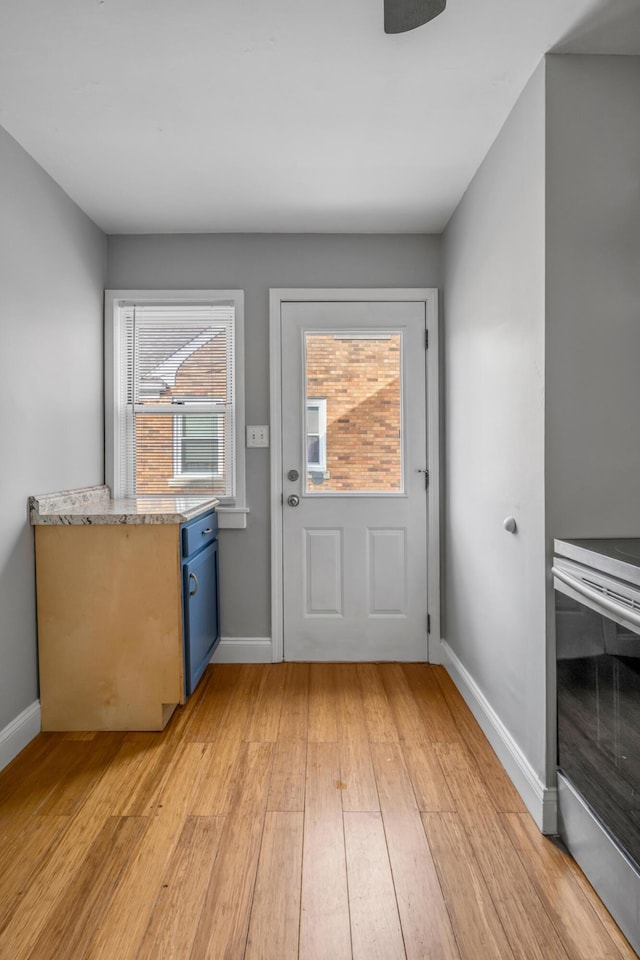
353, 412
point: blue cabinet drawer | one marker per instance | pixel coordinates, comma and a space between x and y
199, 533
201, 625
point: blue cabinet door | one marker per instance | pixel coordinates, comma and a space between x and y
201, 628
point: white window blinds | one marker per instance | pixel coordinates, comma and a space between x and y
176, 405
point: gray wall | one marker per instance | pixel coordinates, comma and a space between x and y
593, 296
254, 263
542, 393
494, 423
52, 261
593, 305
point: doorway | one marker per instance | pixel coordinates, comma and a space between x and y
355, 545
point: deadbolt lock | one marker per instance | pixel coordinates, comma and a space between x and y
293, 475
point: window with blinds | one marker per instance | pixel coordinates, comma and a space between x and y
175, 402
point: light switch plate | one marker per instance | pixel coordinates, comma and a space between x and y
257, 436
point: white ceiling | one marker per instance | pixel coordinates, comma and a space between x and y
276, 115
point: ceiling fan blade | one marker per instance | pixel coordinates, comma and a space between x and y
403, 15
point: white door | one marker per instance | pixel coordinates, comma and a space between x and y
354, 482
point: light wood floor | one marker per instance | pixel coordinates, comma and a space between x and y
321, 812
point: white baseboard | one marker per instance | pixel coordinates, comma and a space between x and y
17, 734
243, 650
541, 801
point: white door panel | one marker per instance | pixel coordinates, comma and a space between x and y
353, 428
387, 570
322, 573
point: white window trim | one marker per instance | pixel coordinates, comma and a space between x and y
230, 516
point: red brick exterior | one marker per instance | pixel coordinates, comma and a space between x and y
360, 380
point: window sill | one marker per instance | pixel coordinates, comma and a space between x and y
232, 518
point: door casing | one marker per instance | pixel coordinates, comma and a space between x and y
428, 296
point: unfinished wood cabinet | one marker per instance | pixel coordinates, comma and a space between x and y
110, 625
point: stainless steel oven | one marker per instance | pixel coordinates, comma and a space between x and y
597, 584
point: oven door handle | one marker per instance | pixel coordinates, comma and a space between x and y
599, 601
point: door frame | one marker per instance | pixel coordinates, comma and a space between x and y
428, 296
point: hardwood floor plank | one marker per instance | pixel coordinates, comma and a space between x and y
294, 715
214, 794
64, 859
407, 714
324, 921
145, 767
464, 781
378, 715
43, 780
395, 789
224, 920
349, 708
529, 929
357, 779
563, 897
27, 766
72, 925
505, 796
92, 756
145, 737
101, 855
437, 716
178, 727
287, 786
275, 914
375, 924
238, 716
205, 720
228, 708
21, 858
173, 922
427, 778
477, 927
323, 722
426, 926
265, 722
125, 921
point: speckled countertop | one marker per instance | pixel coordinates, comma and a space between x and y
94, 505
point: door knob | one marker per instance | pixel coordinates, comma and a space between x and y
293, 500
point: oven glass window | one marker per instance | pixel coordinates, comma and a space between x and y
598, 680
